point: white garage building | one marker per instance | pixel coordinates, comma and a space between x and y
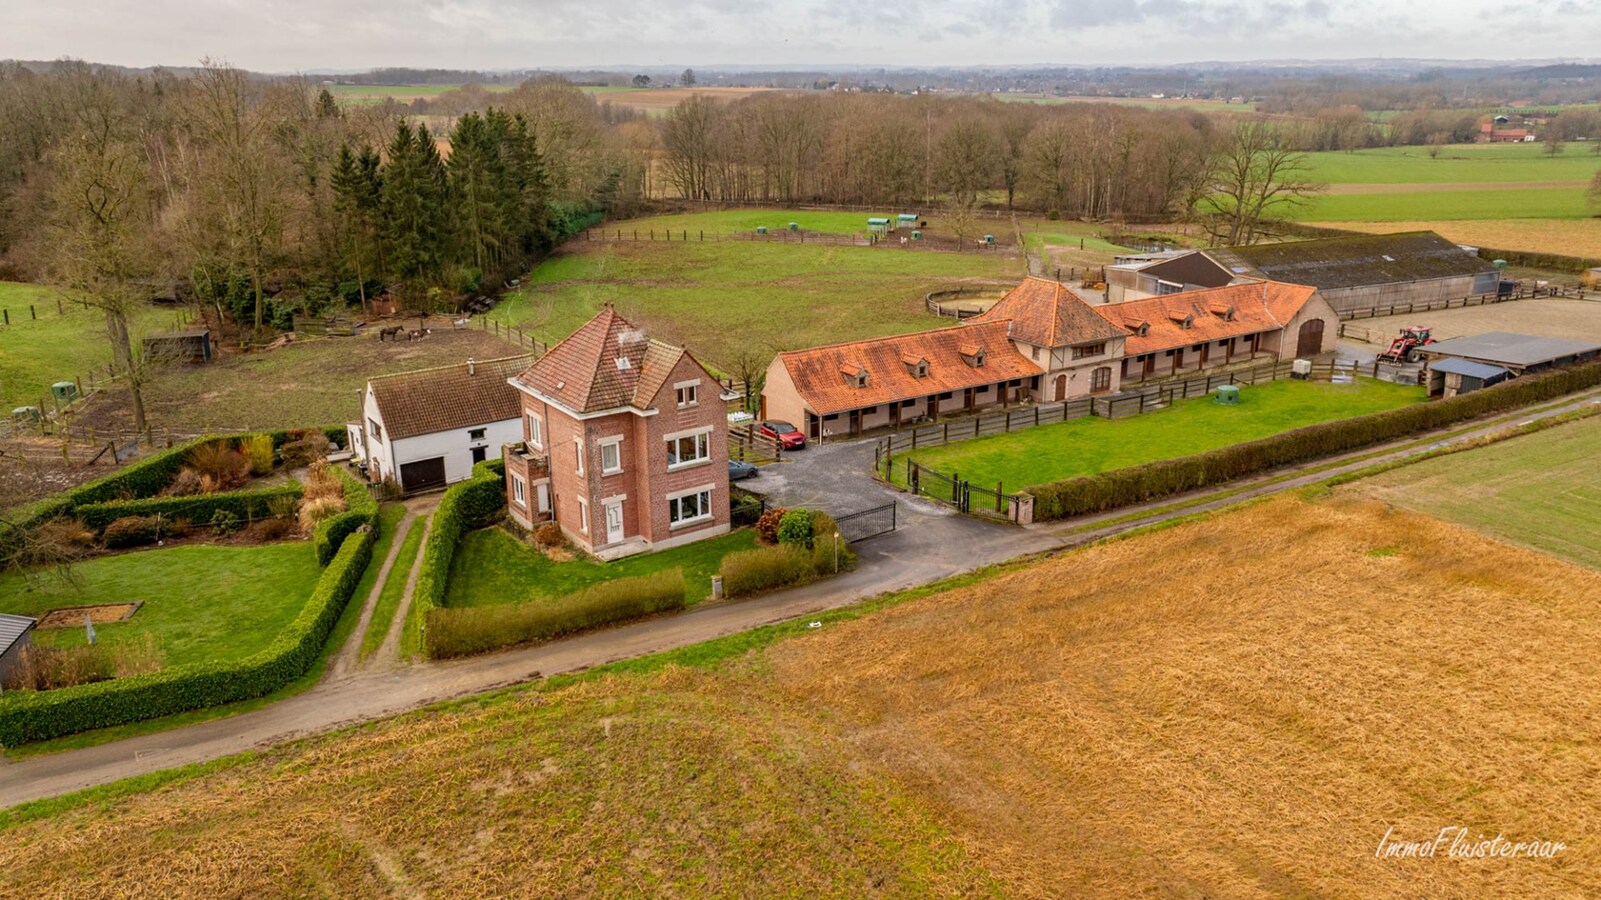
425, 429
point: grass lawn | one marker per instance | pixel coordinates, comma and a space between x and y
202, 603
394, 587
721, 298
1458, 163
57, 346
1540, 490
1091, 444
493, 567
1506, 203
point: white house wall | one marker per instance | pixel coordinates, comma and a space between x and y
454, 446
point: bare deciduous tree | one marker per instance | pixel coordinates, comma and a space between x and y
1255, 178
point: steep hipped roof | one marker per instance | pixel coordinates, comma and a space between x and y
820, 373
1506, 348
1046, 314
445, 398
1354, 260
606, 364
1214, 314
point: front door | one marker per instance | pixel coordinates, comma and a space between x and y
614, 522
478, 454
1061, 387
542, 495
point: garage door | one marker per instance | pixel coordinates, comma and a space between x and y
423, 474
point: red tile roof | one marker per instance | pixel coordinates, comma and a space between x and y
1046, 314
606, 364
444, 398
820, 373
1257, 306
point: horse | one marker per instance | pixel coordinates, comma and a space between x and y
417, 334
392, 332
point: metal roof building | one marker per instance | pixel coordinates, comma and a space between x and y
1518, 353
16, 635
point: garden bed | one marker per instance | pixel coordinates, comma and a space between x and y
72, 616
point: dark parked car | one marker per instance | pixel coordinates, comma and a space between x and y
787, 435
739, 471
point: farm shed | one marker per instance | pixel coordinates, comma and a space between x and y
1517, 354
425, 429
1461, 376
878, 225
1353, 273
16, 636
187, 346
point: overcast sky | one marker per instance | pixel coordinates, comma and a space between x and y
297, 35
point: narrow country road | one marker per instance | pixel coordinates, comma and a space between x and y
931, 543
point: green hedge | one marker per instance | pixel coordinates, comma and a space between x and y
361, 508
27, 716
787, 565
474, 503
1531, 260
467, 630
197, 508
1154, 480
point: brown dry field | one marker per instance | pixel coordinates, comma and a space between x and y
1240, 706
662, 99
1548, 317
1569, 237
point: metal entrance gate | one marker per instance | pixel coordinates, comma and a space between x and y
859, 526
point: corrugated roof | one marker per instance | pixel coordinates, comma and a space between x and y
1511, 349
1354, 260
12, 628
445, 398
1257, 306
1046, 314
606, 364
1467, 367
820, 373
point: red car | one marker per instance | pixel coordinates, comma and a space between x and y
787, 435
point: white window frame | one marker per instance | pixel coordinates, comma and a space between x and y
583, 516
519, 491
614, 444
705, 515
693, 390
536, 432
578, 451
672, 444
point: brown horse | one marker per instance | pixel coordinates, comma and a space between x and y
392, 332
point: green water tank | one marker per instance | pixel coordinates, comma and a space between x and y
1228, 394
917, 235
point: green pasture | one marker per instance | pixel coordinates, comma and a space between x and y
1089, 445
1539, 490
738, 221
56, 346
720, 298
1431, 206
1457, 163
202, 603
492, 567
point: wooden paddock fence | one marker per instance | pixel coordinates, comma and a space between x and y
1423, 306
940, 243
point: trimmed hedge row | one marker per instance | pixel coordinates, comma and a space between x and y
476, 629
1154, 480
474, 503
786, 564
197, 508
27, 716
361, 508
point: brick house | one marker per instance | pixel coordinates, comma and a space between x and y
625, 443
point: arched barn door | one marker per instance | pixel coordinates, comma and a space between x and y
1311, 339
1061, 387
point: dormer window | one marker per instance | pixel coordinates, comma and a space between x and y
916, 366
855, 375
1140, 328
623, 364
1224, 312
972, 354
1183, 321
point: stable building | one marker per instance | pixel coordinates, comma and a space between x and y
1059, 332
1464, 364
1353, 273
846, 389
1190, 332
426, 428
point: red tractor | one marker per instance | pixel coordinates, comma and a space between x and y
1404, 349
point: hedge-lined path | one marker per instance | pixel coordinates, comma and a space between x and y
387, 656
344, 664
906, 558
